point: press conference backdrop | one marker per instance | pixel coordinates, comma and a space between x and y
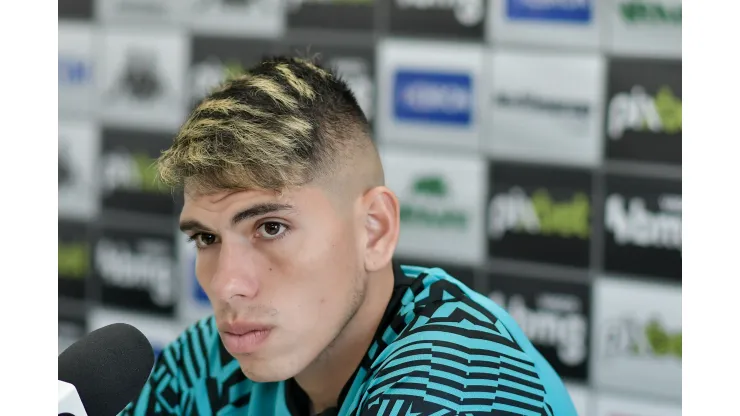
546, 134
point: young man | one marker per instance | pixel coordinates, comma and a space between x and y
295, 232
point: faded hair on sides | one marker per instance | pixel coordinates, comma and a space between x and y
284, 123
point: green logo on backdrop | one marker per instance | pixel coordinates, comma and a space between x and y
433, 214
568, 218
649, 12
669, 109
148, 174
73, 260
659, 341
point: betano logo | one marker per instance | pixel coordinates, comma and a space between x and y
648, 339
556, 322
639, 111
135, 172
539, 214
209, 74
634, 12
467, 12
441, 98
148, 268
574, 11
426, 206
73, 259
74, 71
632, 223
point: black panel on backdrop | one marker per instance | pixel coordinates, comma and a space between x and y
215, 58
75, 9
539, 213
129, 173
442, 19
136, 270
465, 274
642, 222
357, 15
643, 111
555, 316
74, 258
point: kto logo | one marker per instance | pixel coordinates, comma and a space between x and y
431, 97
74, 71
539, 214
573, 11
638, 111
428, 207
467, 12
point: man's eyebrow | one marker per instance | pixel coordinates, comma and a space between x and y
190, 225
260, 209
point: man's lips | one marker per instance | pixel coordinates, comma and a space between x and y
244, 337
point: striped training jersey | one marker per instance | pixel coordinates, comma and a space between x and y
440, 349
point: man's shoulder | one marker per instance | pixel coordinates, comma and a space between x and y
453, 348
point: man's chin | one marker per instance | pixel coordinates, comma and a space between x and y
264, 372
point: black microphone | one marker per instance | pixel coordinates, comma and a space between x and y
107, 368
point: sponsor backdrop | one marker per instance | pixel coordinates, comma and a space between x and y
535, 146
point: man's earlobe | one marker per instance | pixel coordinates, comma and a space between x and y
382, 226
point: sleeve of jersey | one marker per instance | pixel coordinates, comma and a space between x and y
161, 393
455, 362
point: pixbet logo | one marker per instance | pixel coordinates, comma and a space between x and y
556, 322
442, 98
632, 223
630, 337
639, 111
123, 170
147, 268
467, 12
539, 214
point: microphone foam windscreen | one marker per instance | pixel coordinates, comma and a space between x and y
109, 367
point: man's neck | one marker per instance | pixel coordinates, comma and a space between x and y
324, 379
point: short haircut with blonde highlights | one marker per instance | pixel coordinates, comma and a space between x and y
284, 123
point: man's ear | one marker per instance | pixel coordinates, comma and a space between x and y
382, 227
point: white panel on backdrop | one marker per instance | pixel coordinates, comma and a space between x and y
545, 107
648, 28
430, 93
637, 337
253, 18
441, 199
616, 405
581, 397
143, 77
77, 69
79, 146
574, 24
137, 12
159, 331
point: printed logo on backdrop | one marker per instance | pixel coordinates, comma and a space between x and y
217, 59
137, 11
355, 15
136, 271
74, 71
439, 18
253, 18
128, 172
643, 226
425, 97
76, 68
78, 150
555, 316
427, 205
143, 78
74, 258
567, 11
650, 13
539, 213
643, 114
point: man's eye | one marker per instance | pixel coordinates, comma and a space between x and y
203, 239
272, 230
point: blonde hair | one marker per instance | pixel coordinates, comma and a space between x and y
285, 122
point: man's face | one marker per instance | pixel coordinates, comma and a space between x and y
290, 264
